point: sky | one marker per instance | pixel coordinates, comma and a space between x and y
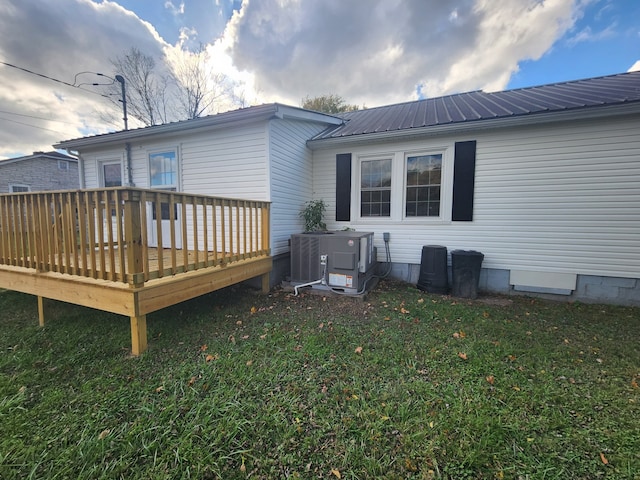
370, 52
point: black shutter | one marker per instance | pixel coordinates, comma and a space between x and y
343, 187
464, 172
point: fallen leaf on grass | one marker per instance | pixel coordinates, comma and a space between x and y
404, 310
159, 389
254, 310
358, 350
191, 381
459, 334
491, 379
104, 434
462, 355
604, 459
634, 383
336, 473
203, 348
210, 357
249, 363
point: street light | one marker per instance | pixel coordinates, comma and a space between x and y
120, 79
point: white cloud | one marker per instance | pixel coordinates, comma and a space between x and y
371, 52
179, 10
379, 51
71, 37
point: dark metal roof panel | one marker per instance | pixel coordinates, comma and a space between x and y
479, 106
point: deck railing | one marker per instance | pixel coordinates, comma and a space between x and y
129, 235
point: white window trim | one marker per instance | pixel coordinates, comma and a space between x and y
398, 186
19, 185
446, 184
367, 158
176, 150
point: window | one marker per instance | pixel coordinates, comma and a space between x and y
19, 188
111, 173
423, 185
63, 165
427, 183
163, 173
163, 170
375, 188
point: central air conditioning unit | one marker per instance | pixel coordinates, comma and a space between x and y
341, 261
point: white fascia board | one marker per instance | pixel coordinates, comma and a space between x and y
477, 125
221, 120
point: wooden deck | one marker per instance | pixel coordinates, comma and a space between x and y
130, 251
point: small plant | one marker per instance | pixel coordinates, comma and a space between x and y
313, 214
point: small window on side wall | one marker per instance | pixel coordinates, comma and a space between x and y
19, 188
163, 170
423, 185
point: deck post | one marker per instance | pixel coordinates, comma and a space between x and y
266, 287
133, 239
138, 334
40, 311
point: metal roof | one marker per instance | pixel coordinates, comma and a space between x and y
210, 122
479, 106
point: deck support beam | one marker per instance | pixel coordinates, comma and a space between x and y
138, 334
41, 311
266, 287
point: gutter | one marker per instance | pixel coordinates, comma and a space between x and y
476, 125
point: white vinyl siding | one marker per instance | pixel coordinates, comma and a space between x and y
291, 178
563, 198
227, 163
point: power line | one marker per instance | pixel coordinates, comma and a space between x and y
42, 75
33, 126
37, 118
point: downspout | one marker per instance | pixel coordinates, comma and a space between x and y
128, 168
76, 154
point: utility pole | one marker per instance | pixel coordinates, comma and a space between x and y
120, 79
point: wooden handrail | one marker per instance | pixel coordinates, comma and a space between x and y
129, 235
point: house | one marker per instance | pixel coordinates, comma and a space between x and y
544, 181
37, 172
257, 153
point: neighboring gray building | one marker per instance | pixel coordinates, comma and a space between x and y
37, 172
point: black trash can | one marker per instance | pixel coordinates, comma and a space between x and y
433, 270
465, 273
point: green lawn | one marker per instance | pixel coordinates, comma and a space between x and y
401, 385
